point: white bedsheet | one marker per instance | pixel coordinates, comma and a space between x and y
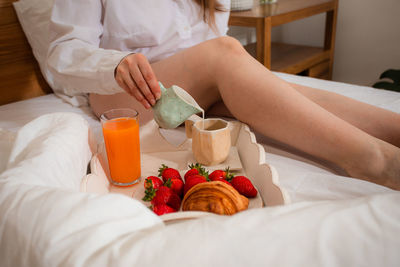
334, 220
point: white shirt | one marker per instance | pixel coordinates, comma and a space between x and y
89, 38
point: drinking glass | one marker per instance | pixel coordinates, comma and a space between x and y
121, 138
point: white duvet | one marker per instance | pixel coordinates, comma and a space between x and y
46, 221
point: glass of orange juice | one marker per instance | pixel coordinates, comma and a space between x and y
121, 138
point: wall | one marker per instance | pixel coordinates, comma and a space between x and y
367, 38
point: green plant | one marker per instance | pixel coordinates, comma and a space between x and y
393, 75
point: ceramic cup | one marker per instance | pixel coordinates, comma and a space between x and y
211, 144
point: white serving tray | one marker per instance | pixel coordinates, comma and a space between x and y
171, 147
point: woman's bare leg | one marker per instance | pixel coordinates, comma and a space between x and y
376, 121
220, 69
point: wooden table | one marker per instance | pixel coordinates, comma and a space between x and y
289, 58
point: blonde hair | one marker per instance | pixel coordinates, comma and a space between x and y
209, 7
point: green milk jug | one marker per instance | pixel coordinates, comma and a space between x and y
174, 107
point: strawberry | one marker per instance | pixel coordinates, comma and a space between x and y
149, 194
152, 181
176, 185
165, 195
195, 169
192, 181
244, 186
189, 178
220, 174
190, 173
166, 173
223, 180
162, 209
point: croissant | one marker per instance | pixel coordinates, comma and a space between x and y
216, 197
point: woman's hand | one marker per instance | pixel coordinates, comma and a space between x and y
135, 75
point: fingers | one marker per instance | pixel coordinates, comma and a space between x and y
135, 75
150, 79
125, 80
133, 92
141, 84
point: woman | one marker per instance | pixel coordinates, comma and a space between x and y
118, 50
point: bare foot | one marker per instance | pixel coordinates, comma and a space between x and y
382, 166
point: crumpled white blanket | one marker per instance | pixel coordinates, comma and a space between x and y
46, 221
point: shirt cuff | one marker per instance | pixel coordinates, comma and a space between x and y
110, 62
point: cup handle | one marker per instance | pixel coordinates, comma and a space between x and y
189, 124
163, 89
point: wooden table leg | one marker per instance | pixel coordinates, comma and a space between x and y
330, 32
263, 33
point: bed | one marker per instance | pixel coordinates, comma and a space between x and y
45, 147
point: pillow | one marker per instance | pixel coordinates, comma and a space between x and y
56, 147
34, 17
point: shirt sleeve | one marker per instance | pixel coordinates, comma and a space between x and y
76, 62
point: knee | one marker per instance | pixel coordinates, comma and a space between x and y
228, 46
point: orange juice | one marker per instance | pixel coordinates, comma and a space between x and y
121, 137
